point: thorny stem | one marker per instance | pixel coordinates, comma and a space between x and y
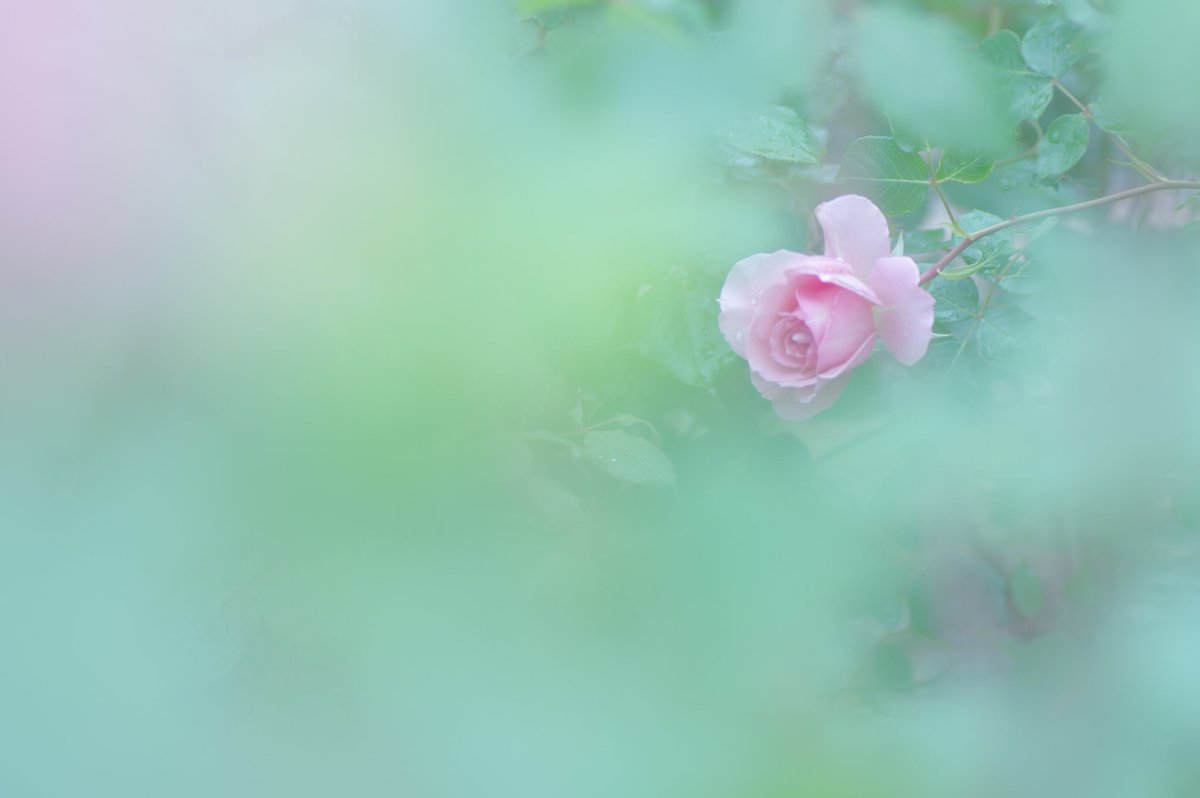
1144, 169
960, 247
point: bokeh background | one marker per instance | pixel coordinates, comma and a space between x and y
311, 312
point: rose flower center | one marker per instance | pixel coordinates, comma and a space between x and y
792, 342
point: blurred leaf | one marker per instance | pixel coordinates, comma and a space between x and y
963, 167
663, 16
1107, 120
1018, 174
679, 327
1027, 93
956, 300
1081, 12
1148, 46
1065, 142
553, 500
537, 6
1052, 46
551, 19
1081, 586
1026, 281
906, 142
896, 180
917, 241
778, 134
1026, 590
1185, 505
925, 76
628, 458
891, 667
1002, 331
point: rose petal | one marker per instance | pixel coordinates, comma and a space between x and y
856, 359
905, 319
855, 231
833, 272
797, 404
773, 390
850, 325
747, 281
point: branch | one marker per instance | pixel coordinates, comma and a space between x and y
961, 246
1141, 167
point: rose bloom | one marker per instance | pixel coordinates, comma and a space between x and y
803, 322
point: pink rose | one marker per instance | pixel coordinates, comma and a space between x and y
803, 322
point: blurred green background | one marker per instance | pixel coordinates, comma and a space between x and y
366, 429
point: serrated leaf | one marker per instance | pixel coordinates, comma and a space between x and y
991, 252
897, 181
954, 301
1002, 333
776, 133
1026, 281
963, 167
628, 458
1026, 590
1052, 46
1027, 93
1065, 142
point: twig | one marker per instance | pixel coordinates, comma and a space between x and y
1144, 169
1164, 185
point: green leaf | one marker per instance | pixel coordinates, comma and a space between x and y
1052, 46
955, 301
906, 142
1002, 333
1026, 590
1027, 93
891, 667
628, 458
776, 133
989, 253
896, 180
677, 326
1108, 121
963, 167
535, 6
1065, 142
918, 241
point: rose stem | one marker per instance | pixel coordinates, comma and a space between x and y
958, 249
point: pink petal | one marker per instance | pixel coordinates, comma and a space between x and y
773, 390
849, 334
748, 280
905, 319
855, 232
856, 359
797, 404
832, 272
